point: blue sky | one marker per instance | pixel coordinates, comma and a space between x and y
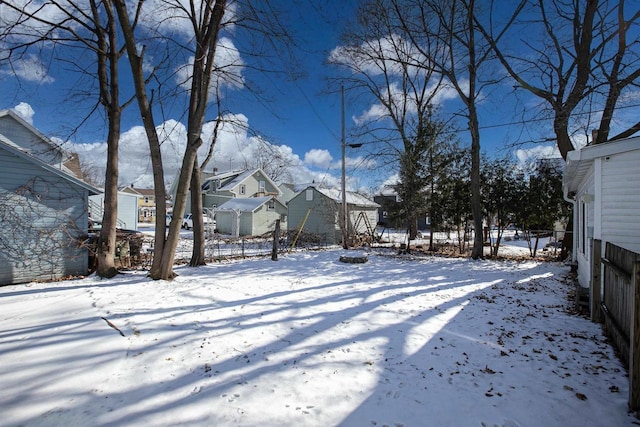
302, 117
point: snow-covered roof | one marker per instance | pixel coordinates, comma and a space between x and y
351, 197
249, 204
241, 176
235, 178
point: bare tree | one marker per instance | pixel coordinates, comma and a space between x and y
381, 62
205, 19
575, 54
460, 61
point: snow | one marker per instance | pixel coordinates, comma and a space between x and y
310, 341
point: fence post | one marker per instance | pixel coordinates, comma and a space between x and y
634, 345
276, 240
596, 283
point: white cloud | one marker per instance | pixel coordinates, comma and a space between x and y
25, 111
318, 157
388, 55
527, 155
235, 149
29, 68
171, 17
227, 71
398, 97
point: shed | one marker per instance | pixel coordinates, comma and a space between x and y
127, 210
252, 216
322, 206
603, 183
43, 218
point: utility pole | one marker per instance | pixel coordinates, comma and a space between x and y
345, 213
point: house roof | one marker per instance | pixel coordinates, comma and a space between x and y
352, 198
70, 161
579, 162
141, 192
237, 177
12, 148
249, 204
30, 127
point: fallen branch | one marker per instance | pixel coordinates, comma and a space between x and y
112, 325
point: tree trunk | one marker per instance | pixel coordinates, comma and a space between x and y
560, 126
107, 239
108, 76
146, 113
198, 253
476, 204
165, 270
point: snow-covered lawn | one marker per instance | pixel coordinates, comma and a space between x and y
309, 341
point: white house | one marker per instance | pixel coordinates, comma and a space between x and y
603, 183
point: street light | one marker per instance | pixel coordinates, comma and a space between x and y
345, 212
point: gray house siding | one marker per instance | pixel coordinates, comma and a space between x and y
43, 222
324, 210
264, 219
28, 138
323, 215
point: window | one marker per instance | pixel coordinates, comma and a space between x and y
146, 199
283, 217
262, 186
385, 214
309, 194
243, 189
271, 205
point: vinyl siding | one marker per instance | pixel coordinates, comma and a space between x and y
29, 141
42, 223
621, 200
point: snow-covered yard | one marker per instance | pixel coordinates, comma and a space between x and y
310, 341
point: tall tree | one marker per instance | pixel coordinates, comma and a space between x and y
460, 62
575, 54
380, 64
205, 19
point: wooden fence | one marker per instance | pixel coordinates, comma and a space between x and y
619, 301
